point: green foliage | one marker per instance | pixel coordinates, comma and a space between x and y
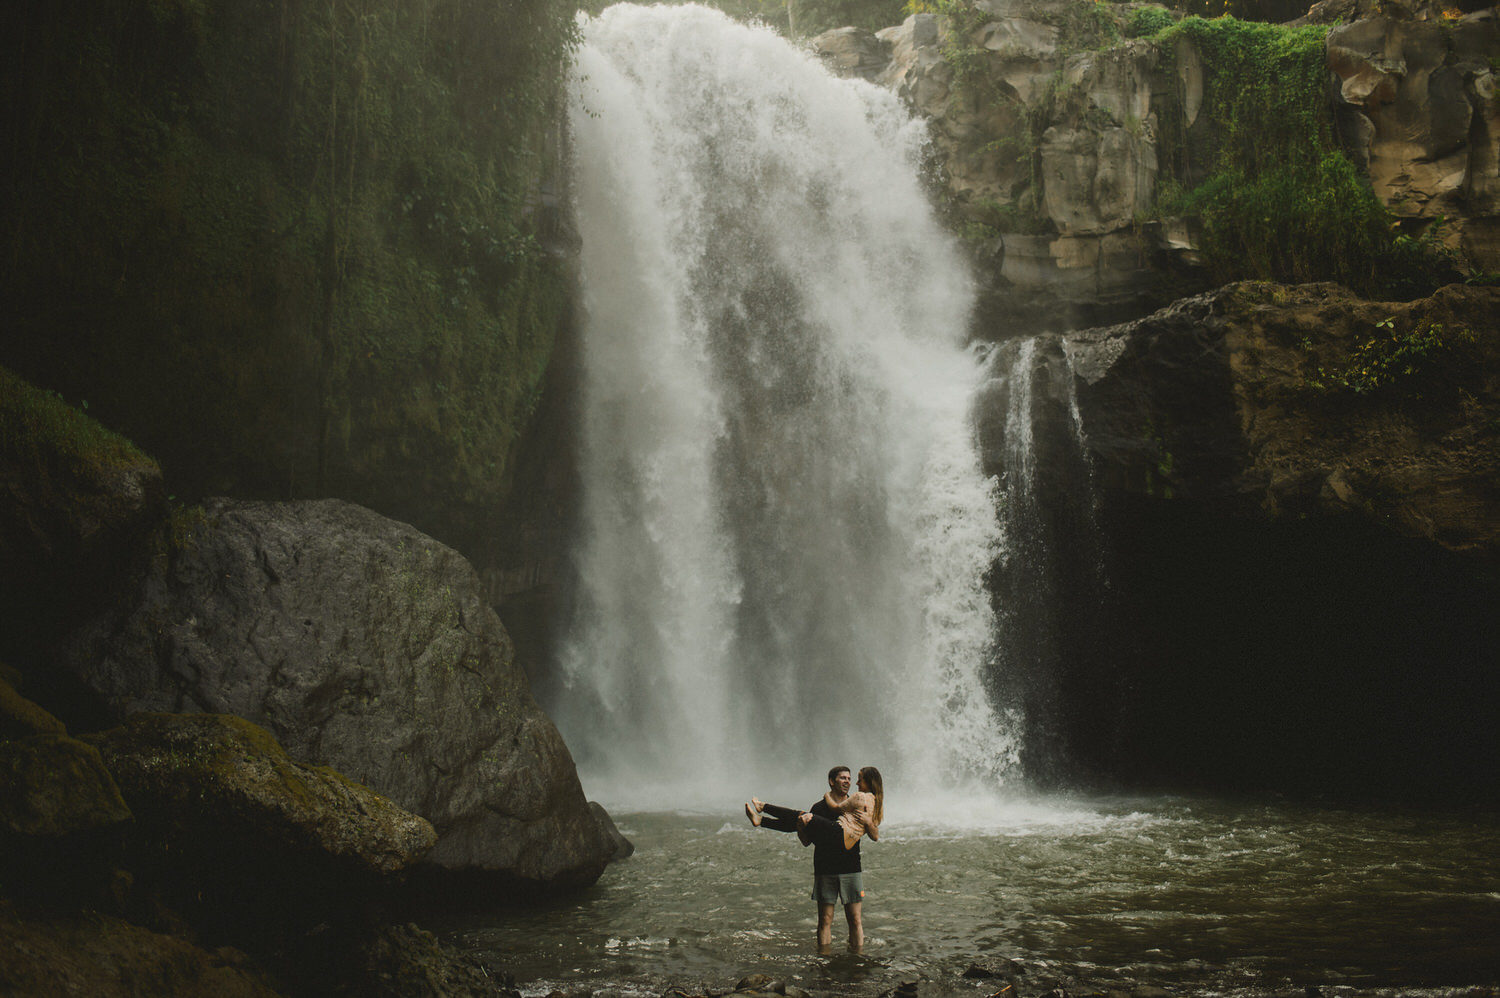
970, 61
1293, 224
1148, 21
1393, 363
1276, 197
1271, 11
1264, 92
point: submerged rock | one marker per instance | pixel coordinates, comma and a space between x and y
364, 645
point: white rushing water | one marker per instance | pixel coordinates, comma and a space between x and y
785, 529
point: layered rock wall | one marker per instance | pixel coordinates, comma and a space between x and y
1049, 138
1268, 528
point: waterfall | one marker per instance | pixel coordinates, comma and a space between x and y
1050, 582
785, 531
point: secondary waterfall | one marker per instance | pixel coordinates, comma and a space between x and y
785, 530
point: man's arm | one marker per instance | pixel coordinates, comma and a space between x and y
803, 835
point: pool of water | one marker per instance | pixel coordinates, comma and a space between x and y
1196, 896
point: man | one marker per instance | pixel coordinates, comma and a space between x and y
837, 875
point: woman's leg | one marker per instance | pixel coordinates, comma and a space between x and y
781, 819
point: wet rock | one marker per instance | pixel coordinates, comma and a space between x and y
363, 645
205, 777
61, 812
993, 969
53, 786
1214, 400
404, 961
235, 843
853, 51
102, 956
20, 717
624, 848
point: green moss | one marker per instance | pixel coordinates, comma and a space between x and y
39, 429
20, 717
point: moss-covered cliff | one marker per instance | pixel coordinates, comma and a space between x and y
290, 248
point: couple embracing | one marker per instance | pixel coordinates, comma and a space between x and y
833, 827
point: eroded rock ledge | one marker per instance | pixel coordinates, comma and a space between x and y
1278, 401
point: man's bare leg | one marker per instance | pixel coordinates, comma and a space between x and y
825, 927
854, 915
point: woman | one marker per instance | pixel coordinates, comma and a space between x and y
859, 814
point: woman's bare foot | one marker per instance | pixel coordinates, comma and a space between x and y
753, 815
760, 805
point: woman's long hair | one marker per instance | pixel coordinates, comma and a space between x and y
870, 777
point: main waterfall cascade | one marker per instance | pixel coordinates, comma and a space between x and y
785, 528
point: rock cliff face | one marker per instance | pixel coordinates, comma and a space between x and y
1049, 131
1417, 108
1274, 509
1305, 401
291, 251
1058, 195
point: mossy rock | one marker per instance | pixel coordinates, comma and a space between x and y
53, 786
21, 718
78, 500
190, 774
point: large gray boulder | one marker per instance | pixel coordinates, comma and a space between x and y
364, 645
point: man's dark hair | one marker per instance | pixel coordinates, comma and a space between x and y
836, 770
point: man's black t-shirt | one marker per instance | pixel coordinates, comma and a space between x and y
829, 854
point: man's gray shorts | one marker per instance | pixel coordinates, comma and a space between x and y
837, 888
